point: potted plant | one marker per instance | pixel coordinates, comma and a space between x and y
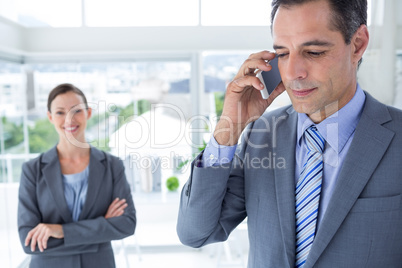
172, 183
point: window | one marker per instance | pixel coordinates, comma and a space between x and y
11, 109
48, 13
129, 13
219, 69
123, 13
398, 94
12, 151
235, 12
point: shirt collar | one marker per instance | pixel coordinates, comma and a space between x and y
337, 128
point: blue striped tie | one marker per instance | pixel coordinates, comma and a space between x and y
308, 191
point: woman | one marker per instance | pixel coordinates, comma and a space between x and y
73, 199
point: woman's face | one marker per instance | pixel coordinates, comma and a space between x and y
69, 116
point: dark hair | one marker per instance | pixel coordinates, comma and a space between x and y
64, 88
347, 15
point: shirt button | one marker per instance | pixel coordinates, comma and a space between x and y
211, 157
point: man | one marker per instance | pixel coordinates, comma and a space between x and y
319, 182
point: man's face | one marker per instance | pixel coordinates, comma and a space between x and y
317, 67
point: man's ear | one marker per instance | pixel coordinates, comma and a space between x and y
359, 43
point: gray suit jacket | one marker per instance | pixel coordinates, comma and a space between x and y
86, 243
362, 226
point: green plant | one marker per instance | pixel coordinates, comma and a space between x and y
172, 183
13, 133
219, 98
42, 136
183, 163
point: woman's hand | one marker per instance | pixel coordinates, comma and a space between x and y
41, 233
116, 208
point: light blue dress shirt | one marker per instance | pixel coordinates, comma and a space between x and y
75, 191
338, 131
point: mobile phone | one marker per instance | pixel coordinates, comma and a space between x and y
270, 79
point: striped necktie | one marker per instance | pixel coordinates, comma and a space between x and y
307, 193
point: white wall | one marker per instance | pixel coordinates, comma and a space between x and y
134, 43
11, 39
89, 39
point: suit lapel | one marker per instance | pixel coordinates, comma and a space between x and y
53, 178
95, 178
370, 141
285, 180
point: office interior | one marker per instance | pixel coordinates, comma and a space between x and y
155, 74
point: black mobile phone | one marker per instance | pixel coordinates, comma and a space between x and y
270, 79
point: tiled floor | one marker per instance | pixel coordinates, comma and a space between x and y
156, 240
216, 255
180, 258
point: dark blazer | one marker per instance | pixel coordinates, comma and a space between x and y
87, 242
362, 226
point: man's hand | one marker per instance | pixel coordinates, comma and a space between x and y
243, 102
41, 233
116, 208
